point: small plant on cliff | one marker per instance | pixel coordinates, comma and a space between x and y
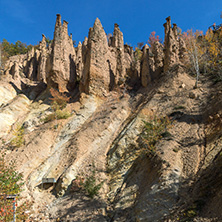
88, 183
11, 183
154, 129
58, 104
59, 100
91, 186
18, 138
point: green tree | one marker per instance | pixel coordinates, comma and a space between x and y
10, 49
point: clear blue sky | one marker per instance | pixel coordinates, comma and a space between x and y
26, 20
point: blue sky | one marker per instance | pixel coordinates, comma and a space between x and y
26, 20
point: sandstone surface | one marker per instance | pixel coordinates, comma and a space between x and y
115, 92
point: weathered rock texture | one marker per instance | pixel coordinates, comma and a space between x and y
41, 75
118, 44
143, 181
145, 68
62, 72
174, 47
98, 65
95, 77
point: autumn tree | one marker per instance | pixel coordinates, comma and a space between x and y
194, 51
213, 43
204, 52
152, 39
11, 183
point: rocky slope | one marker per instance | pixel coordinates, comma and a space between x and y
112, 94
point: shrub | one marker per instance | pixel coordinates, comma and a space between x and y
58, 114
11, 183
154, 129
18, 138
87, 183
179, 107
91, 186
138, 54
59, 102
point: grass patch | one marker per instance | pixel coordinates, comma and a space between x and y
58, 114
91, 186
18, 138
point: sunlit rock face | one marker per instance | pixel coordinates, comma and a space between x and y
98, 65
95, 77
174, 47
62, 72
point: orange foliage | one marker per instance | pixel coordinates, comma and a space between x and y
152, 39
207, 49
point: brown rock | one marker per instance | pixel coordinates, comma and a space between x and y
145, 68
79, 62
192, 95
62, 71
171, 45
96, 72
182, 50
41, 75
118, 44
158, 58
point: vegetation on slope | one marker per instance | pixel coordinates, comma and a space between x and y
11, 183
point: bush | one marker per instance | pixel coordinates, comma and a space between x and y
11, 183
58, 114
91, 186
59, 102
155, 129
18, 138
88, 183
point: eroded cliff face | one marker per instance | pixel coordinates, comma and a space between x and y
104, 132
96, 66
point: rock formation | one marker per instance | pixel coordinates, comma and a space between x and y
41, 75
118, 44
96, 66
158, 59
62, 72
169, 173
79, 61
174, 47
145, 67
95, 77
